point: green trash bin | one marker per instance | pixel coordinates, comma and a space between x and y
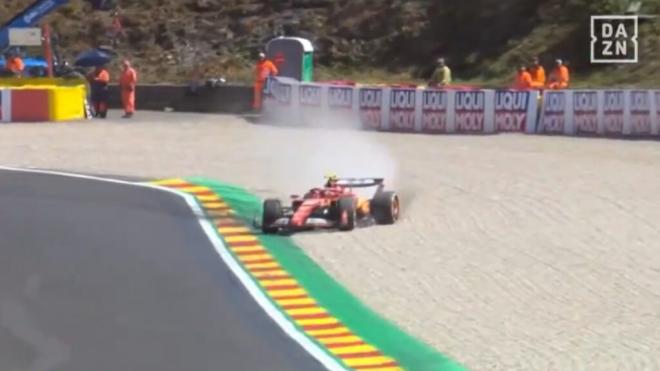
293, 56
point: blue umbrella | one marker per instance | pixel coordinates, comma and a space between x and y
92, 58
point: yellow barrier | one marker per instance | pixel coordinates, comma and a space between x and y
64, 99
66, 103
39, 81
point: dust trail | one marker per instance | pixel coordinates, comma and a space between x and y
331, 143
407, 198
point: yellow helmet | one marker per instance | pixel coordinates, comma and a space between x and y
331, 177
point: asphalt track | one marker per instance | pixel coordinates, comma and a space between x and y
100, 276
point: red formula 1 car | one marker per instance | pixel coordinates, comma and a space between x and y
333, 206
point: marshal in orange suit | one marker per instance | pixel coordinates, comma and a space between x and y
560, 76
263, 69
127, 84
538, 74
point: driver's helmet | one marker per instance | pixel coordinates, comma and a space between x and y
331, 180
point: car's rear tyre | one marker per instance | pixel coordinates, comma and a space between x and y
346, 213
385, 207
272, 212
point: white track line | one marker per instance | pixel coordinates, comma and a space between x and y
208, 228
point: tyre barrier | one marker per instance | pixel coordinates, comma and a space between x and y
589, 112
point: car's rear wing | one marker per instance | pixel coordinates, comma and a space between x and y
360, 182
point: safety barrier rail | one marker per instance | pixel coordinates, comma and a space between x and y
613, 112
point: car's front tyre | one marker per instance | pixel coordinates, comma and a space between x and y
272, 211
347, 213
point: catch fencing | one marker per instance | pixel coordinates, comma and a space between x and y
464, 111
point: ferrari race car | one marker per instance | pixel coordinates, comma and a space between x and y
333, 206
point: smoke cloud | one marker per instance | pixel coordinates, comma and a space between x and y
330, 143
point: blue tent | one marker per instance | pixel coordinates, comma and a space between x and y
33, 66
29, 63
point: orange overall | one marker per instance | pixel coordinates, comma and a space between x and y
15, 65
560, 78
538, 77
263, 69
99, 80
523, 80
128, 82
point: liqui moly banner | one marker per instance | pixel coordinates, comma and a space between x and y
556, 115
279, 91
516, 111
585, 112
469, 111
340, 98
435, 111
473, 112
370, 107
283, 93
563, 112
281, 100
600, 112
640, 119
613, 112
310, 99
342, 105
402, 110
310, 95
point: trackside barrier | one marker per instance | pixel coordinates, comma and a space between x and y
42, 100
401, 108
225, 98
67, 103
615, 113
29, 104
5, 105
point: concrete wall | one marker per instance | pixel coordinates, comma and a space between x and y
221, 99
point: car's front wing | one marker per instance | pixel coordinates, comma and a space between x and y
285, 222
